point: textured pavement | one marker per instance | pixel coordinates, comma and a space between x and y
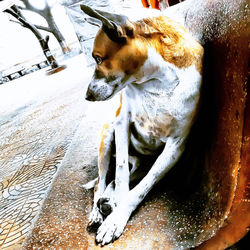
38, 120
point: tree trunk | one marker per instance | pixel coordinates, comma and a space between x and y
43, 42
56, 32
47, 15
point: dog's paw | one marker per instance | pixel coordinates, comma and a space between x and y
95, 220
112, 227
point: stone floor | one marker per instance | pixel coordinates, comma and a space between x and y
38, 120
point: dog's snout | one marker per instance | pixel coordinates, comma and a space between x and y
90, 96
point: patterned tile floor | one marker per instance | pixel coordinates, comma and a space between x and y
33, 141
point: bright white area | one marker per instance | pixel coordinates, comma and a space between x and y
19, 44
64, 24
38, 87
6, 4
38, 4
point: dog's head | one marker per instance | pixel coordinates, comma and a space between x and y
117, 59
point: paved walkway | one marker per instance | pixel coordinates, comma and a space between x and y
39, 115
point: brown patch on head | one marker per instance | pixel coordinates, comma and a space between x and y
167, 37
118, 58
171, 41
106, 49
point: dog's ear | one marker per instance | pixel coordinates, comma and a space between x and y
93, 21
120, 20
111, 24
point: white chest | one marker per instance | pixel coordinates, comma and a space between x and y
163, 99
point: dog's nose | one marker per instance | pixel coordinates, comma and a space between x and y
90, 96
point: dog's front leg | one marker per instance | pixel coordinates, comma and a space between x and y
107, 232
104, 154
122, 165
115, 223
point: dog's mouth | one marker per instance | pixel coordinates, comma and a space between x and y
102, 94
105, 91
92, 98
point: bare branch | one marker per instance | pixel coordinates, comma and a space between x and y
14, 21
48, 16
30, 6
46, 4
37, 26
40, 27
21, 7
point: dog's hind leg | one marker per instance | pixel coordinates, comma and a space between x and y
107, 202
114, 224
104, 154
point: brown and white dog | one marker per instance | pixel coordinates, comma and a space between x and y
156, 66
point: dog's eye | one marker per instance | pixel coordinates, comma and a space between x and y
98, 60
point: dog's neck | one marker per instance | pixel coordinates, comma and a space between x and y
156, 69
169, 50
171, 41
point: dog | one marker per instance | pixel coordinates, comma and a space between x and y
156, 65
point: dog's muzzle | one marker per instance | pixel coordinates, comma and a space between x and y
102, 89
99, 92
90, 96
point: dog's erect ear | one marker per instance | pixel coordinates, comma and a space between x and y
111, 23
117, 19
93, 21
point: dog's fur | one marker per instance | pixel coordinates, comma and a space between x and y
156, 65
